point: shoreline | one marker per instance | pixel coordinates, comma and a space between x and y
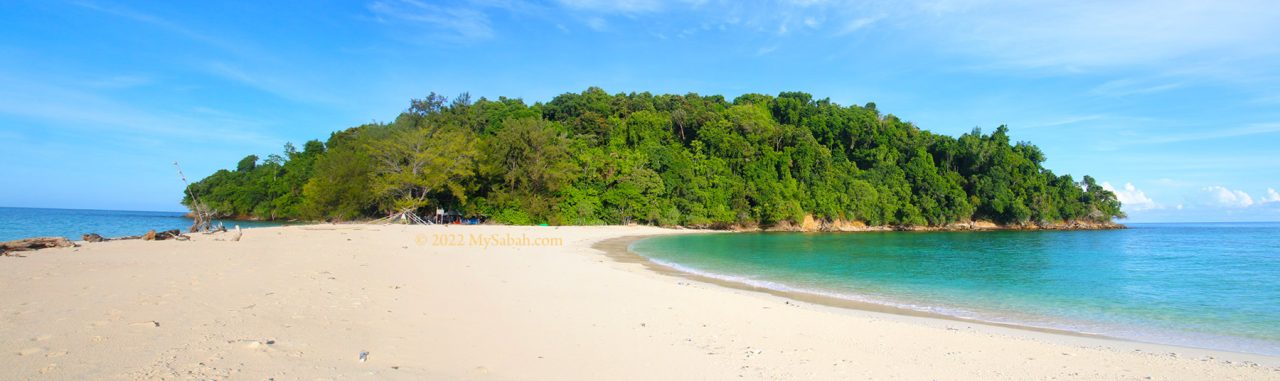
618, 249
303, 302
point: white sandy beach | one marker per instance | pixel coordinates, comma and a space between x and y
303, 302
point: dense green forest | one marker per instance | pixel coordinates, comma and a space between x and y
691, 160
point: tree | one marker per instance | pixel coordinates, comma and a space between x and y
339, 188
247, 163
527, 161
412, 166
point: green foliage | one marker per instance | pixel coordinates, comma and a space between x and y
418, 163
338, 188
596, 158
248, 163
526, 165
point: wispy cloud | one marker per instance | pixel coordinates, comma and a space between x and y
1223, 133
79, 112
615, 6
119, 82
162, 23
439, 22
236, 61
597, 23
1067, 121
1102, 34
1129, 86
858, 24
283, 86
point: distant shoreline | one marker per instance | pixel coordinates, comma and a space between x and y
808, 224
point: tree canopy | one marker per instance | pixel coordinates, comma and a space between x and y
691, 160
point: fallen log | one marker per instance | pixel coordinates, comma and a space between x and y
169, 234
152, 235
34, 244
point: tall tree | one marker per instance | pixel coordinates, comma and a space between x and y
414, 166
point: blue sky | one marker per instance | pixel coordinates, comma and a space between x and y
1174, 104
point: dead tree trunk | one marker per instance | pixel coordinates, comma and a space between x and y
33, 244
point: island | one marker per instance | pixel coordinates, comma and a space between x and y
785, 162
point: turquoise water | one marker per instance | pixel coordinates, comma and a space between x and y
1212, 286
18, 223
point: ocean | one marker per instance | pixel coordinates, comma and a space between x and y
1213, 285
16, 223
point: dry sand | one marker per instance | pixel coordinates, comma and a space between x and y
303, 302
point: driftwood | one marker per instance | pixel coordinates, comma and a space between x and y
201, 217
151, 235
33, 244
236, 235
407, 217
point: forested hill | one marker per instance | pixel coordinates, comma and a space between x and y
690, 160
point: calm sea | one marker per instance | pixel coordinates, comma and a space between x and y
1211, 286
18, 223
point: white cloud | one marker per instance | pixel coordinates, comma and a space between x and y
1272, 196
1131, 198
1223, 197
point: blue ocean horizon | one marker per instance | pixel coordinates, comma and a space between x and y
1204, 285
18, 223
